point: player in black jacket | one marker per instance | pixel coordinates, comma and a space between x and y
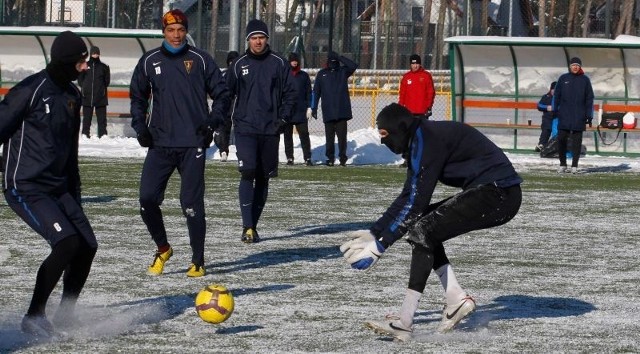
177, 128
94, 83
456, 155
40, 127
265, 96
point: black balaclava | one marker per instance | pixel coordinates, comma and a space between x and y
333, 60
400, 124
67, 50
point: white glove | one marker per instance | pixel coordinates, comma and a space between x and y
309, 116
363, 250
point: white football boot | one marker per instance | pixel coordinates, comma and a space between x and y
453, 314
391, 326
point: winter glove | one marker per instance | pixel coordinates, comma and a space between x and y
314, 113
363, 251
145, 139
309, 113
428, 114
282, 124
588, 120
206, 131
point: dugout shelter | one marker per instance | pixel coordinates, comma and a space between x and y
496, 83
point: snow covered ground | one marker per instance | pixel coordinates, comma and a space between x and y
560, 277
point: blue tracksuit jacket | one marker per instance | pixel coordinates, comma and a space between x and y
167, 94
40, 126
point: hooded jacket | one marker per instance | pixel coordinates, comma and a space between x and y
331, 87
302, 83
573, 101
94, 83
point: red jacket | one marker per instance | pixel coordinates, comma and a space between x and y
416, 91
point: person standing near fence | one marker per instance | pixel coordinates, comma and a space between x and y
301, 114
416, 92
265, 98
222, 135
175, 81
545, 105
573, 102
331, 86
94, 83
40, 127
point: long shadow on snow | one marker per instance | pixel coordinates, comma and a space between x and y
280, 256
120, 318
509, 307
619, 168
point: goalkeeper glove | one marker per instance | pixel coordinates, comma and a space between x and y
363, 250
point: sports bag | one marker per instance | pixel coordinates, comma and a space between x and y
610, 121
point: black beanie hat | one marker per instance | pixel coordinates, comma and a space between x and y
68, 48
294, 57
553, 85
94, 50
575, 60
175, 16
399, 124
257, 27
415, 59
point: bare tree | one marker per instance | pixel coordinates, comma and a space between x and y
437, 49
552, 18
485, 16
541, 18
624, 24
394, 32
585, 25
426, 24
571, 17
215, 7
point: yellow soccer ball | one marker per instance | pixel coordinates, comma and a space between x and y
214, 303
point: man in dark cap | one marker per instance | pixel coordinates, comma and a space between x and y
573, 104
265, 96
331, 86
301, 114
40, 128
94, 83
545, 105
457, 155
178, 79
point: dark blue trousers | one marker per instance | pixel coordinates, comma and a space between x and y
156, 171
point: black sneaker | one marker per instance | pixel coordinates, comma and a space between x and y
290, 162
308, 162
329, 163
250, 235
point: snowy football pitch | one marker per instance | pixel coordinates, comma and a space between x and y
561, 277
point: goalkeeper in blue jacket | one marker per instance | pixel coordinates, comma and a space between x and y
456, 155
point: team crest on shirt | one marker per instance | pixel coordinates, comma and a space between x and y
188, 64
409, 82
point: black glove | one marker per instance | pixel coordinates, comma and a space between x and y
207, 133
314, 113
145, 139
282, 124
588, 120
428, 114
